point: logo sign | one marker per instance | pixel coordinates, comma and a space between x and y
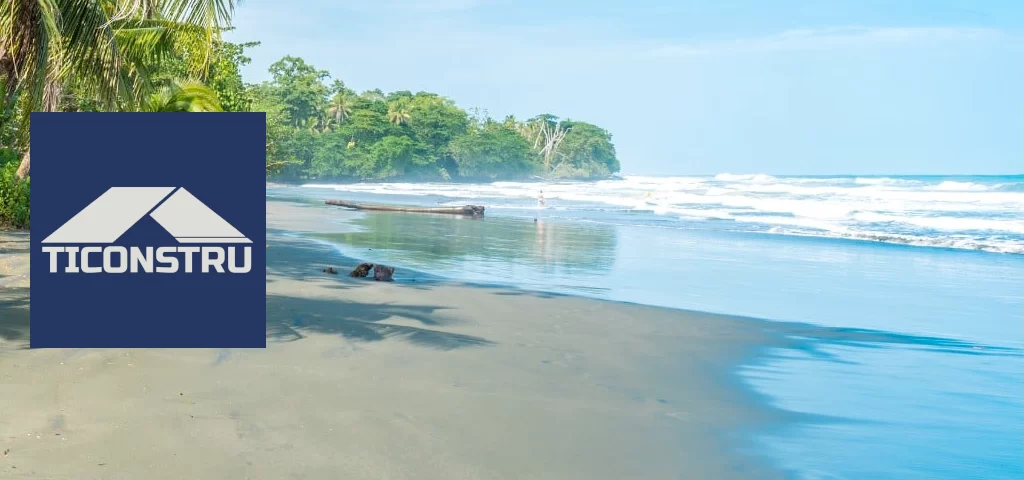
148, 230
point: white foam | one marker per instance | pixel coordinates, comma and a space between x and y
949, 224
881, 181
950, 185
942, 212
753, 177
985, 244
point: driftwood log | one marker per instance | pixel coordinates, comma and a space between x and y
473, 210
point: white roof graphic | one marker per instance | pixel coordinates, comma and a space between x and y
119, 208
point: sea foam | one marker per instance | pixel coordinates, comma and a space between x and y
975, 213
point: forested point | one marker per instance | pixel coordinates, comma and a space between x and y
169, 56
318, 128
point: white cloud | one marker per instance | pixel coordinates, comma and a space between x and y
825, 39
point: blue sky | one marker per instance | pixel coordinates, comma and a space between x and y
697, 87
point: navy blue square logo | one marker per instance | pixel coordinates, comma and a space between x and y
148, 230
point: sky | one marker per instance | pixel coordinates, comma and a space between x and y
822, 87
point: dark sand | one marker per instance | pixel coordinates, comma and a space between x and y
406, 380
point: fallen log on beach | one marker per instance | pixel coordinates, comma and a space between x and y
474, 210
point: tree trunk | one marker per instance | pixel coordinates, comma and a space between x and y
17, 59
474, 210
24, 167
17, 50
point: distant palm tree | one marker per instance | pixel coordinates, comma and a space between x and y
398, 112
183, 96
312, 124
340, 107
316, 124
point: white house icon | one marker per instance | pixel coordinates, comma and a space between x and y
119, 208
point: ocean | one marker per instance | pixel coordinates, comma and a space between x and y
934, 264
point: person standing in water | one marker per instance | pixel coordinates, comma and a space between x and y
540, 204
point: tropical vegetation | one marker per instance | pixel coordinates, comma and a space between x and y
321, 129
169, 56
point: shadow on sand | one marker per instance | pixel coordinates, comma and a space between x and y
14, 291
14, 242
290, 318
14, 303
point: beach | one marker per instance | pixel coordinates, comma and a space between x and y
363, 379
750, 240
436, 377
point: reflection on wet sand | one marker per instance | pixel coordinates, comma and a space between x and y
544, 246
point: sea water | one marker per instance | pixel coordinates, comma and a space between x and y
936, 261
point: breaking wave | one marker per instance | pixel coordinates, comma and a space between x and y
972, 213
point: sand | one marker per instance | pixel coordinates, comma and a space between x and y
368, 380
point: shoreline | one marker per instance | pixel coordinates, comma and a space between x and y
748, 374
738, 455
432, 379
369, 380
784, 338
657, 201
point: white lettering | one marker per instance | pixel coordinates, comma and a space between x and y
138, 259
247, 256
118, 259
209, 260
72, 262
161, 256
188, 251
108, 255
85, 260
53, 251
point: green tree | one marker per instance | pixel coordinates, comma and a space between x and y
14, 193
183, 96
223, 74
300, 90
321, 131
435, 121
105, 48
493, 151
587, 151
392, 156
225, 77
398, 111
340, 106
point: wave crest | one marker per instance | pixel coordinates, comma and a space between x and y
975, 213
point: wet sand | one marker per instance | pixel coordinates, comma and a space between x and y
413, 379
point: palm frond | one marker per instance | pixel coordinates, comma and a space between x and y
183, 96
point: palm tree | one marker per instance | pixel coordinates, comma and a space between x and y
310, 124
398, 112
340, 106
187, 96
104, 47
316, 123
